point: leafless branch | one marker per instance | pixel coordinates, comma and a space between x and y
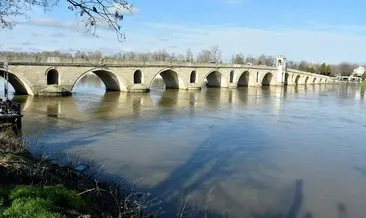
94, 13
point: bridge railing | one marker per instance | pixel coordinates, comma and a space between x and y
65, 61
306, 73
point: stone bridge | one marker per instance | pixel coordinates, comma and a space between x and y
58, 76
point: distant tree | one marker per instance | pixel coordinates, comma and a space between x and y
346, 68
311, 69
270, 61
161, 55
94, 12
216, 54
303, 66
79, 54
364, 76
261, 59
96, 55
328, 70
180, 57
212, 55
250, 60
204, 56
189, 55
323, 69
292, 65
266, 60
237, 59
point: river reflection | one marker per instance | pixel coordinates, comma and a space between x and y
247, 152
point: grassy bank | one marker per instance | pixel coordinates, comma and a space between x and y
363, 83
36, 186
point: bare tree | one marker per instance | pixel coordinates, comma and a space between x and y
204, 56
189, 55
216, 54
96, 55
237, 59
94, 13
292, 65
250, 60
161, 55
346, 68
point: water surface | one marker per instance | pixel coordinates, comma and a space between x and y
247, 152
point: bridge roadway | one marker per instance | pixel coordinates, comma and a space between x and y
58, 76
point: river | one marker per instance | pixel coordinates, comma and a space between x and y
294, 152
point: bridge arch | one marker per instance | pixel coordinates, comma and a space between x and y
193, 77
53, 76
314, 80
244, 79
297, 79
267, 79
110, 79
213, 79
138, 77
171, 79
321, 80
20, 86
306, 80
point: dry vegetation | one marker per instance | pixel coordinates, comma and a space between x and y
39, 187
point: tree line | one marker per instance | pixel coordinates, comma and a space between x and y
343, 68
210, 55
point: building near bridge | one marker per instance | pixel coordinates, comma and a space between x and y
359, 71
357, 74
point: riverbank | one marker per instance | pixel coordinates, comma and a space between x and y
36, 186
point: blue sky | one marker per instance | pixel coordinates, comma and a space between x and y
323, 30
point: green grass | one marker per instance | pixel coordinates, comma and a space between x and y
32, 201
31, 207
6, 157
363, 83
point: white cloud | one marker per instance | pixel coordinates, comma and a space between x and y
319, 43
49, 22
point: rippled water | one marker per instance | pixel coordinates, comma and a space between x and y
248, 152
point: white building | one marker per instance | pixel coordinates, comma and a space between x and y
358, 72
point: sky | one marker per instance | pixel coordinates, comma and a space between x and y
311, 30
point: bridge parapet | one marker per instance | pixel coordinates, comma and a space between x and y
115, 62
306, 73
